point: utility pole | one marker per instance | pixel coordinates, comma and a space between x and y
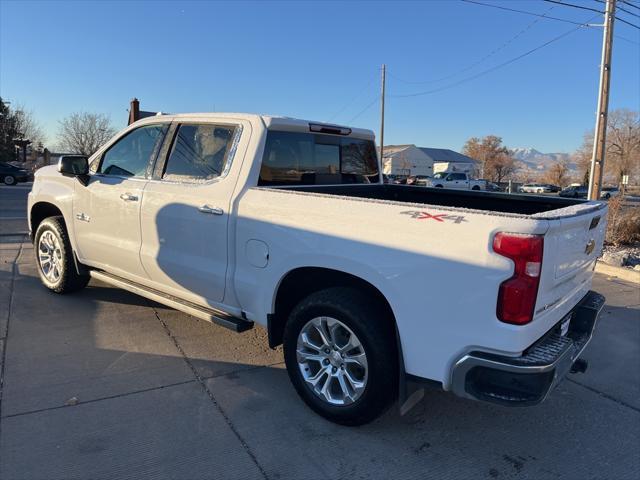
599, 141
384, 67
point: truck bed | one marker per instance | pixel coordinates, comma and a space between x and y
484, 201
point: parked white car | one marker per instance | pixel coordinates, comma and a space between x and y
609, 192
536, 188
456, 180
242, 219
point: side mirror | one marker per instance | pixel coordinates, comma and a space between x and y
74, 165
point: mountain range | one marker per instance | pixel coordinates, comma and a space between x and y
532, 159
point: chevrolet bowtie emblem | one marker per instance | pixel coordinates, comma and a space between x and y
590, 246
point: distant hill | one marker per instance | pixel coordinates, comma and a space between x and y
534, 160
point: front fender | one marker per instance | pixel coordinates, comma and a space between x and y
56, 190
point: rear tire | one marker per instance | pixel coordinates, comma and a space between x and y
367, 382
9, 180
54, 257
475, 188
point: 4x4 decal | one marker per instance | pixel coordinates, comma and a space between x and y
438, 217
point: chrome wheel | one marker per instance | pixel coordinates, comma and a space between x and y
332, 360
50, 256
9, 180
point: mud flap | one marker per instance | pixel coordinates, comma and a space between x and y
409, 393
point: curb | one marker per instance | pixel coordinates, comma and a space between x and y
626, 274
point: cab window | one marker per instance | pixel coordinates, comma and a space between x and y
130, 156
296, 158
199, 152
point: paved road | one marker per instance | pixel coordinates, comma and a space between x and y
104, 384
13, 208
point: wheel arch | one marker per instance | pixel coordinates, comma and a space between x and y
41, 210
300, 282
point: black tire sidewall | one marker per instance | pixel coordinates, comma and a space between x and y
381, 388
70, 280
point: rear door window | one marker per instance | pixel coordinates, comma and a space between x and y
199, 152
292, 158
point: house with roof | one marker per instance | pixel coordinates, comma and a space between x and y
445, 160
405, 160
410, 160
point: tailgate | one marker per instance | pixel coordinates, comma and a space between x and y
571, 246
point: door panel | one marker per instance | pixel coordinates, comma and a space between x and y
107, 226
185, 215
106, 213
184, 246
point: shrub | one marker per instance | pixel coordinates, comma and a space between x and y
624, 223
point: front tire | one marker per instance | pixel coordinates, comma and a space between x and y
341, 355
54, 257
9, 180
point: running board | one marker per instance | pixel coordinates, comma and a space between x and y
210, 314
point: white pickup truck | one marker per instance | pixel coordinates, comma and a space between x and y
457, 180
241, 219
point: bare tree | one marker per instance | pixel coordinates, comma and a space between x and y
497, 162
28, 127
623, 143
558, 174
623, 147
84, 133
582, 157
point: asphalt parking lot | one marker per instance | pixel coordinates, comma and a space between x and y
105, 384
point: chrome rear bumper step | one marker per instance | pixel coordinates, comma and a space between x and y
209, 314
528, 379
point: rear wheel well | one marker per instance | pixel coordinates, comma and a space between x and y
42, 210
302, 282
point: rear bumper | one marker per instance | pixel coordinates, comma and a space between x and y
528, 379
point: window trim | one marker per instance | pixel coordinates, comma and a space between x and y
170, 138
150, 162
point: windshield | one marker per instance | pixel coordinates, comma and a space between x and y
293, 158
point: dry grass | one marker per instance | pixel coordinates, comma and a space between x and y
624, 224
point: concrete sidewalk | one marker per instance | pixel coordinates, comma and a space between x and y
104, 384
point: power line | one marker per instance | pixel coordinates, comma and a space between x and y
547, 17
499, 7
618, 7
478, 62
375, 100
357, 96
492, 69
628, 23
582, 7
631, 4
593, 10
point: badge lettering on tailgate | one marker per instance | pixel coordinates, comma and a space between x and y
438, 217
591, 244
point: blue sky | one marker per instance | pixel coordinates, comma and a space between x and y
321, 61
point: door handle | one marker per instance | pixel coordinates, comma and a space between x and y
211, 210
127, 197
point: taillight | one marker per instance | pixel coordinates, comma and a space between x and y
517, 295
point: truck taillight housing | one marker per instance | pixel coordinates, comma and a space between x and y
517, 295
